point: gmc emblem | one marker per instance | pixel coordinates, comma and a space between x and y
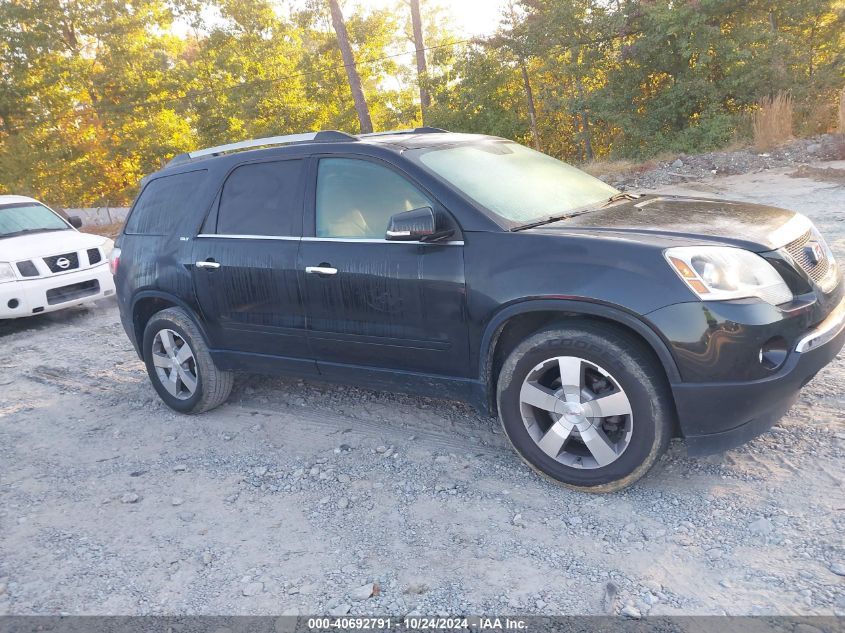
814, 252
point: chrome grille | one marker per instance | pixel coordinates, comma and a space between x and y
62, 263
800, 253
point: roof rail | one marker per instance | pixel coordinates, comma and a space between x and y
416, 130
317, 137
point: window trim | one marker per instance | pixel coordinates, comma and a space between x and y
309, 222
213, 217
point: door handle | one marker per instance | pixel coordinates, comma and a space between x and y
320, 270
209, 264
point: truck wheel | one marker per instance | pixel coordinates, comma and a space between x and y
180, 366
586, 405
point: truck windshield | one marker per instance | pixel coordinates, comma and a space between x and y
28, 217
517, 184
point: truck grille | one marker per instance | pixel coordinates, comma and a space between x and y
62, 263
800, 252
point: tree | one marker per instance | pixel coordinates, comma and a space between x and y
365, 123
419, 45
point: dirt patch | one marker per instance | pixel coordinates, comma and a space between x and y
821, 174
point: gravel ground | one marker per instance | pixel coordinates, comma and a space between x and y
299, 497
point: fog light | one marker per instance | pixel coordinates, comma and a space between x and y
773, 353
13, 303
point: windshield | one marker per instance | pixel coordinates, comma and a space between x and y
516, 183
28, 217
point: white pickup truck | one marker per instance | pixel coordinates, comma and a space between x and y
45, 263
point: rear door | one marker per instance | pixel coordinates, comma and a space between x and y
245, 261
372, 302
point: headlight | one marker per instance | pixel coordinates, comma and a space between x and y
107, 246
717, 273
7, 273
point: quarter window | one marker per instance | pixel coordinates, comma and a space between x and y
163, 202
355, 198
262, 199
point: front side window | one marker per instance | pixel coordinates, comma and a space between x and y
355, 198
517, 184
262, 199
163, 202
28, 217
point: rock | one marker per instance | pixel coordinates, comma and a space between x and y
609, 598
343, 503
3, 588
540, 604
130, 497
653, 586
388, 452
343, 478
187, 517
838, 569
341, 609
678, 163
630, 611
363, 592
715, 554
206, 558
180, 468
381, 449
176, 501
518, 520
761, 526
575, 520
253, 588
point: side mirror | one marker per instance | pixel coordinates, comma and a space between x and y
75, 221
411, 226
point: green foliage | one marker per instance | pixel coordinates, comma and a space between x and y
96, 93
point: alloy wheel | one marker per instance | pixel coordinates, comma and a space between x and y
576, 412
175, 364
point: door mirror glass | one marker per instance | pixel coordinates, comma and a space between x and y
412, 226
75, 221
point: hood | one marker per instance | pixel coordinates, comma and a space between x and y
29, 246
751, 226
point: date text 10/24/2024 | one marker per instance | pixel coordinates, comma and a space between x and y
418, 623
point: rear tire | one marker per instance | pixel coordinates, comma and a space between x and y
180, 366
586, 405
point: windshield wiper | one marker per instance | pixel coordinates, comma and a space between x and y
550, 220
622, 195
27, 231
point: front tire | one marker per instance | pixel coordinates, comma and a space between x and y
586, 405
180, 366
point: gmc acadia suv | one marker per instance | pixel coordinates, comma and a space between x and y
598, 324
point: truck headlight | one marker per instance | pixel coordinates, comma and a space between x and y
7, 273
718, 273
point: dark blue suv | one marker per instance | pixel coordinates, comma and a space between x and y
597, 324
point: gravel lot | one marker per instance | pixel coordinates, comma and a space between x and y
300, 497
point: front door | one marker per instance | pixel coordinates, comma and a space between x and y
375, 303
245, 262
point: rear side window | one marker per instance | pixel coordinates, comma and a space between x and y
262, 199
163, 202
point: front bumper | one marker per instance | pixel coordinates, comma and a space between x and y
47, 294
717, 416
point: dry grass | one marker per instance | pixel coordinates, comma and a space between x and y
842, 111
773, 122
618, 167
106, 230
